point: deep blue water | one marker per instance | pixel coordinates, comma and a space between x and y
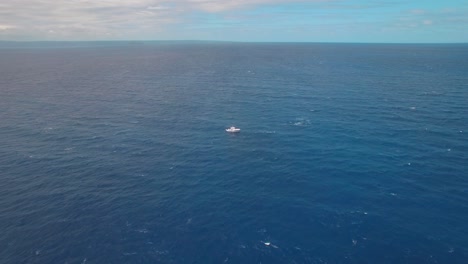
116, 153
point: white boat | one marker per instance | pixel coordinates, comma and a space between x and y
233, 130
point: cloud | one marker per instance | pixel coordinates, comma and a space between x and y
92, 19
427, 22
83, 19
193, 19
216, 6
418, 11
157, 8
6, 27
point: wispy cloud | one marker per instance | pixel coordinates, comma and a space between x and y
427, 22
448, 17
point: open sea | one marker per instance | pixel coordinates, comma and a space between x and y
116, 152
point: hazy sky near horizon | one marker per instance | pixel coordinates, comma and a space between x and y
242, 20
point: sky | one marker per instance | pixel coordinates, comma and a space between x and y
384, 21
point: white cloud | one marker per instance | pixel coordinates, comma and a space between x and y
6, 27
83, 19
157, 8
91, 19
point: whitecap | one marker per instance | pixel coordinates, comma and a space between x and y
269, 244
143, 230
301, 122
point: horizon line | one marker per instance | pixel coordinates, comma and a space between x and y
222, 41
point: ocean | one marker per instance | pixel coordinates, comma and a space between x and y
116, 152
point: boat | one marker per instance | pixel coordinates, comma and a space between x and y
233, 130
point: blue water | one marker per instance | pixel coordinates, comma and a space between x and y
116, 153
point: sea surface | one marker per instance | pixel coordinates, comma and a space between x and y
116, 152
